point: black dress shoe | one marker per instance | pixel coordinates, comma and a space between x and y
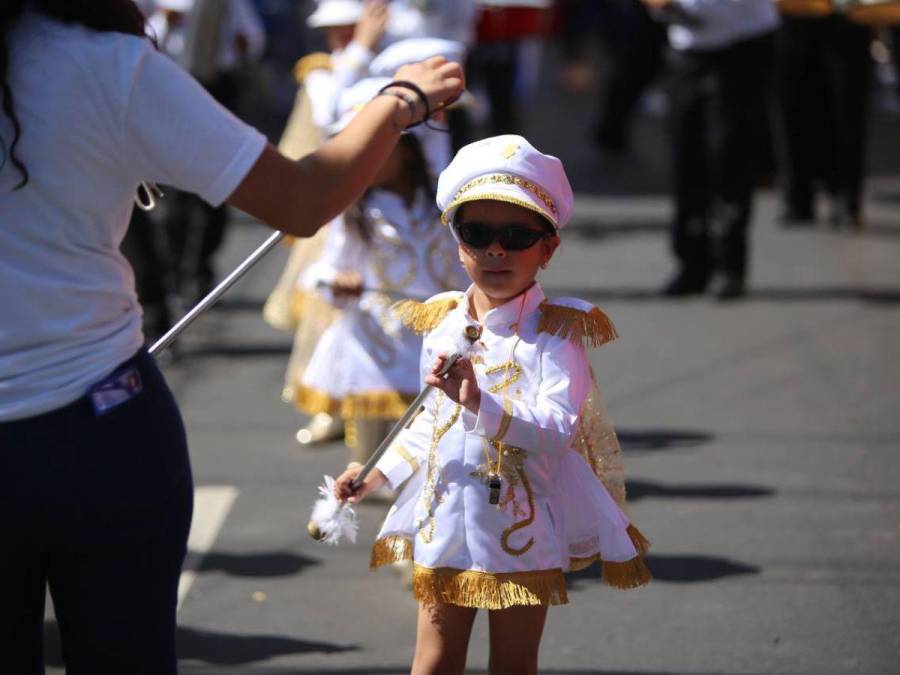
684, 284
728, 287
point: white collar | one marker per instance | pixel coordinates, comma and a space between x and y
503, 318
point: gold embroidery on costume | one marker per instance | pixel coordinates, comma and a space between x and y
430, 499
442, 262
387, 256
505, 420
422, 317
592, 329
509, 151
501, 179
596, 441
472, 588
408, 458
509, 380
515, 459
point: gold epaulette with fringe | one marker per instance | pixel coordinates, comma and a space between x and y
309, 63
576, 321
423, 317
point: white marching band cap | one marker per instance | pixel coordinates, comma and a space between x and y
413, 50
175, 5
507, 169
335, 13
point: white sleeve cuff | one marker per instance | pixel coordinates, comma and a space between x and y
492, 421
397, 464
356, 57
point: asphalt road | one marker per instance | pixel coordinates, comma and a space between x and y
762, 442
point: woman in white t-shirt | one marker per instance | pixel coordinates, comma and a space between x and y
95, 483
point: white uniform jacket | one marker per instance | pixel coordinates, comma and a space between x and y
533, 383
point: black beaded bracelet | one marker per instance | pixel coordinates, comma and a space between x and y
409, 100
405, 84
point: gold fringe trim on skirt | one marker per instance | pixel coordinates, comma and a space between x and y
376, 405
367, 405
592, 329
484, 590
312, 401
421, 317
389, 550
641, 543
625, 575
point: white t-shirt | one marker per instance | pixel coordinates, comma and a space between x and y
100, 112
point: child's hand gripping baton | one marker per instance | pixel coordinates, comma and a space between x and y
402, 423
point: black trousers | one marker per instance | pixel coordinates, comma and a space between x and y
824, 78
635, 55
99, 509
718, 114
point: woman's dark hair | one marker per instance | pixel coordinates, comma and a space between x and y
121, 16
417, 176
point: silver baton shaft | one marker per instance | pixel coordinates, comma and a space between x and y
216, 293
401, 424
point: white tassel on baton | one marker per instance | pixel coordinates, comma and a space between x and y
331, 520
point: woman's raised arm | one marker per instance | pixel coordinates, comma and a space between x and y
299, 197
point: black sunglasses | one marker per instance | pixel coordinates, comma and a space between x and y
511, 237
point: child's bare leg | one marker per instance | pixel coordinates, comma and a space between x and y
515, 639
442, 639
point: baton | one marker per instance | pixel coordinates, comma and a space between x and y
213, 296
402, 423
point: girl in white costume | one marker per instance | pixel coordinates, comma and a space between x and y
390, 245
352, 30
512, 472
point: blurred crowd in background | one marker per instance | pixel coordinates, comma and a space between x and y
755, 93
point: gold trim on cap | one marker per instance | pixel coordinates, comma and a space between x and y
504, 179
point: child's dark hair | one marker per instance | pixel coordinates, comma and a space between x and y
417, 175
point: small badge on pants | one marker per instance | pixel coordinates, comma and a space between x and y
114, 390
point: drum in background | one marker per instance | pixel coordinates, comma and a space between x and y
873, 12
805, 8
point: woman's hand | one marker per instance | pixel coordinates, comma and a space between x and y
347, 284
459, 383
344, 491
299, 197
371, 24
441, 81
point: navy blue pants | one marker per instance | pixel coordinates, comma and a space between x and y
98, 509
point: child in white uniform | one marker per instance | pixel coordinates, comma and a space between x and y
504, 491
390, 245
